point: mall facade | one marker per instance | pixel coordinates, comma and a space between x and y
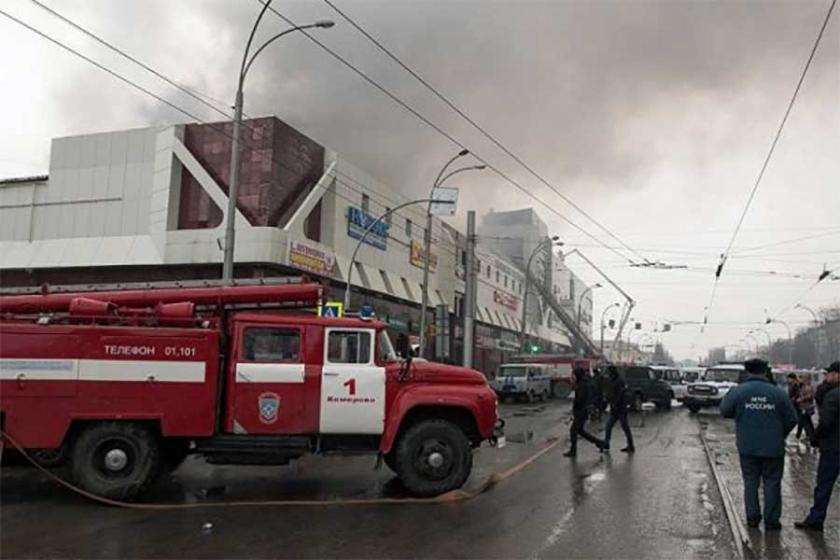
150, 204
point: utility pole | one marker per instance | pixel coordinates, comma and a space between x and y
603, 315
470, 298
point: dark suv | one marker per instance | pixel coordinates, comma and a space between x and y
645, 386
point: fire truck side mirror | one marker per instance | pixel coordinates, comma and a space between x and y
405, 366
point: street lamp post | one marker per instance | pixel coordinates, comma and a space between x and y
548, 242
755, 341
646, 336
746, 342
427, 240
769, 341
811, 333
790, 338
809, 310
230, 227
364, 235
603, 315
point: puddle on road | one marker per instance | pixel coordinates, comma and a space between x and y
520, 437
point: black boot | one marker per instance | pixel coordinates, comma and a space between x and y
570, 453
629, 449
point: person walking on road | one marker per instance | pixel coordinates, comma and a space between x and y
764, 416
805, 406
793, 391
580, 413
617, 397
827, 438
826, 385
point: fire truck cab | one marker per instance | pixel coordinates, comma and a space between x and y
126, 384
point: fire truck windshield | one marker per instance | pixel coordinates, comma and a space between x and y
386, 349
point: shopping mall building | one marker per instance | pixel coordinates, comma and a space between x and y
150, 204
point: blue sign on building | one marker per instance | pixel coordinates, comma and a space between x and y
358, 221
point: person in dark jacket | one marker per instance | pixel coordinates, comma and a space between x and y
599, 404
827, 438
826, 386
617, 397
804, 404
764, 416
580, 412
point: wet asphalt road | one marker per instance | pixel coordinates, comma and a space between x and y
797, 493
660, 503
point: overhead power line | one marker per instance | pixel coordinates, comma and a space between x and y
185, 112
189, 91
195, 94
779, 131
725, 255
441, 131
480, 128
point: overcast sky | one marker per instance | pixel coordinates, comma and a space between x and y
654, 117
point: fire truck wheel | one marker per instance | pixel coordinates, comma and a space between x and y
390, 461
433, 457
116, 461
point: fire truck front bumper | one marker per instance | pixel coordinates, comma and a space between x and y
498, 438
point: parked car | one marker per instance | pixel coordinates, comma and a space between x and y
646, 386
674, 378
522, 382
717, 381
692, 374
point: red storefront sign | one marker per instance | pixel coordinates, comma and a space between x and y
506, 300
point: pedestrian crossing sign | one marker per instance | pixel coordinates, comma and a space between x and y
331, 310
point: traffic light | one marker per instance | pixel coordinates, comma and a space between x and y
535, 348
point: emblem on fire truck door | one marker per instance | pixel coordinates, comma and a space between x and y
268, 405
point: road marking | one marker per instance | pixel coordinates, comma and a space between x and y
590, 482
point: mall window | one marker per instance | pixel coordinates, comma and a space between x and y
506, 281
365, 204
498, 275
387, 218
408, 228
488, 271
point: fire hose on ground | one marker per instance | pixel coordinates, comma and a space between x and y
449, 497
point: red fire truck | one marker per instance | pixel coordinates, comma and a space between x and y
125, 384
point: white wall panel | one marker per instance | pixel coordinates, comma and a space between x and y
81, 217
85, 188
116, 180
100, 182
58, 154
65, 219
133, 180
87, 150
142, 215
129, 214
103, 149
113, 218
119, 147
136, 146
